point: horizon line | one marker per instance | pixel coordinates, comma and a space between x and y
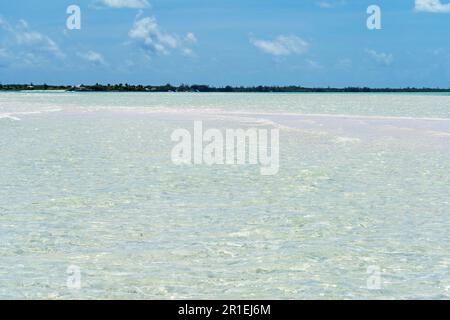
168, 86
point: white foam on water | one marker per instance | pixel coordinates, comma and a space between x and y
349, 116
7, 116
13, 115
347, 140
221, 111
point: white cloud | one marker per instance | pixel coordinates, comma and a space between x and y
382, 58
191, 38
153, 39
30, 44
146, 31
188, 52
435, 6
39, 42
330, 3
132, 4
143, 28
93, 57
282, 45
313, 64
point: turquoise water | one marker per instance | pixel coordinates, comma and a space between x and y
413, 105
87, 180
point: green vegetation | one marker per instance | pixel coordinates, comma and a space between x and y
204, 88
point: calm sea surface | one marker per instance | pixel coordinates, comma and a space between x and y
360, 208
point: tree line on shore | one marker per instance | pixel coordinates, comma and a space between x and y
205, 88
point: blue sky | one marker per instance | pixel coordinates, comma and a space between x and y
218, 42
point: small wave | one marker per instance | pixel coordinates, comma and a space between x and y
7, 116
441, 134
330, 115
306, 116
35, 112
347, 140
13, 115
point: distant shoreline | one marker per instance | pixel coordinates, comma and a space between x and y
206, 88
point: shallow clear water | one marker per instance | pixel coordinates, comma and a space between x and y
87, 180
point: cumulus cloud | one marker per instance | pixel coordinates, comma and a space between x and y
282, 45
132, 4
191, 38
153, 39
38, 42
29, 44
381, 57
435, 6
93, 57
